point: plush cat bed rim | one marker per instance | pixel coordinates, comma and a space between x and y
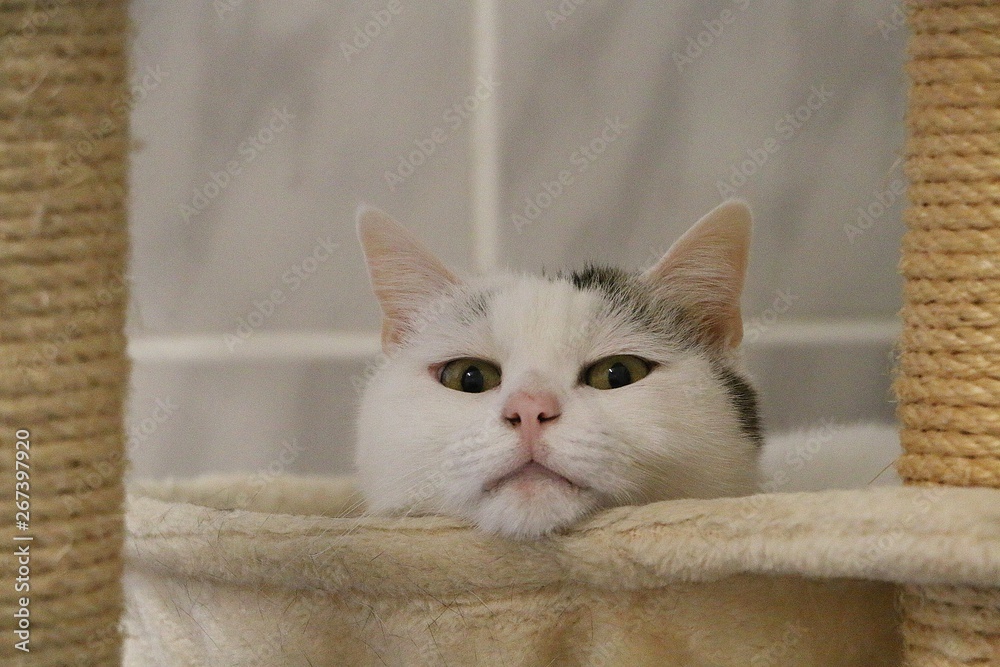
930, 535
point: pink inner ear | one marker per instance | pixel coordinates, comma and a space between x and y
705, 269
405, 275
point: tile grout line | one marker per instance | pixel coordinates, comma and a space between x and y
485, 149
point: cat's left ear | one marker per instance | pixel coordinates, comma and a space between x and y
405, 275
704, 270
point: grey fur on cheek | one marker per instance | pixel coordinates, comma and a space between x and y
744, 399
625, 291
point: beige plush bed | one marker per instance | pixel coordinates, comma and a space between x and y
224, 571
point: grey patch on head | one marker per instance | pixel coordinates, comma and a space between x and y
626, 293
630, 295
606, 279
744, 399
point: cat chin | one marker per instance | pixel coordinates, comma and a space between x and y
523, 510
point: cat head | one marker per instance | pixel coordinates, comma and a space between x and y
524, 403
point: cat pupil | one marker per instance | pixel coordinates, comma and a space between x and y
472, 380
619, 375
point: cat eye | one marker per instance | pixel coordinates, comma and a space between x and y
470, 375
617, 371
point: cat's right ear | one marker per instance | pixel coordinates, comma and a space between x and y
405, 275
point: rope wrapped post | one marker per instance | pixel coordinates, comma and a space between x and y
63, 369
949, 382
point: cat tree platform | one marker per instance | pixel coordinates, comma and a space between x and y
224, 571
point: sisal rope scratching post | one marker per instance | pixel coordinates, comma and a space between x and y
63, 370
949, 385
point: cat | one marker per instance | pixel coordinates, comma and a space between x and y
522, 403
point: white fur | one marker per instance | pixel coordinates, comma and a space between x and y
424, 448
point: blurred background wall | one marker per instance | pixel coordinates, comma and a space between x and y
612, 126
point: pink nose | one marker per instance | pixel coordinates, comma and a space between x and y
527, 412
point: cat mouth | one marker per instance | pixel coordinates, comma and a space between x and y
530, 473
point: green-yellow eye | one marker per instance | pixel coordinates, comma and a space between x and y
470, 375
616, 371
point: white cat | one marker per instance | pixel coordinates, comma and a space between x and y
525, 403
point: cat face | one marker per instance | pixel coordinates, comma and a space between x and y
524, 403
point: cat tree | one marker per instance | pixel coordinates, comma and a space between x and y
243, 572
949, 387
63, 368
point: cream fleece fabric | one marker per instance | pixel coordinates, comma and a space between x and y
230, 571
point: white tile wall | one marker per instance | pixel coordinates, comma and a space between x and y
270, 123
